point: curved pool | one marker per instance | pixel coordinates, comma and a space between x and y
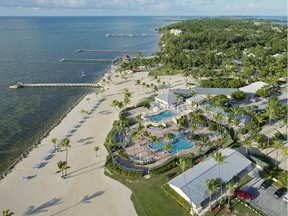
214, 134
180, 143
162, 115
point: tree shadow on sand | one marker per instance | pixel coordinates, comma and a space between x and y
32, 210
86, 199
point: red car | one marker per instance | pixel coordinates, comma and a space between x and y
243, 194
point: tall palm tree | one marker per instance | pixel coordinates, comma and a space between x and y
183, 165
246, 142
96, 149
235, 110
62, 165
65, 143
230, 188
218, 118
271, 114
212, 187
277, 145
219, 158
115, 104
260, 119
121, 127
138, 82
147, 135
7, 212
54, 142
109, 143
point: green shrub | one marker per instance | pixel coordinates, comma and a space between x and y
238, 95
243, 131
163, 167
279, 135
196, 137
175, 196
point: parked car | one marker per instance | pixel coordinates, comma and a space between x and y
243, 194
279, 193
285, 198
232, 100
265, 184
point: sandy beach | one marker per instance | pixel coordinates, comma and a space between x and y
86, 190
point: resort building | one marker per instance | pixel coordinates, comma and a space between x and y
176, 32
166, 100
252, 88
235, 164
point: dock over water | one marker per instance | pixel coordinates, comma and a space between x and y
89, 60
21, 85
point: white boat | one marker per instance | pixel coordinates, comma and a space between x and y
83, 74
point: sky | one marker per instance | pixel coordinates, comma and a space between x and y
143, 7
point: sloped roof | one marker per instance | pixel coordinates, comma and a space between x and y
215, 91
196, 177
168, 98
196, 99
253, 87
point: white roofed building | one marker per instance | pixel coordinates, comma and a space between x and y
234, 164
253, 87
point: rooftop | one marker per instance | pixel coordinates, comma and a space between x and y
196, 177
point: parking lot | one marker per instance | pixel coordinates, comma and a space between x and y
264, 200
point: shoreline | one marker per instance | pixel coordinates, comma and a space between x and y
38, 141
86, 181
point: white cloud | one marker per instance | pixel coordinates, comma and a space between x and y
62, 3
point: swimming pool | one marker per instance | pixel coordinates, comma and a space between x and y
162, 115
214, 134
180, 143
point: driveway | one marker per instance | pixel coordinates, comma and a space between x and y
264, 198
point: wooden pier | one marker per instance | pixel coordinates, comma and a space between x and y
90, 60
21, 85
126, 51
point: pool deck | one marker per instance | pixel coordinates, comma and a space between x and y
141, 150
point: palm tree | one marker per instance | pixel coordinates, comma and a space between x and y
271, 114
109, 143
182, 164
229, 188
96, 149
62, 165
193, 94
138, 82
277, 145
54, 142
212, 187
219, 158
84, 112
115, 104
235, 110
88, 100
121, 126
218, 118
65, 143
167, 147
260, 119
246, 142
284, 152
7, 212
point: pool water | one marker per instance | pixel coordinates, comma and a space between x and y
162, 115
180, 143
214, 134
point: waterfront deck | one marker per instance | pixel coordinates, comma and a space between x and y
21, 85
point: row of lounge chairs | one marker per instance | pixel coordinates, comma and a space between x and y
140, 160
66, 135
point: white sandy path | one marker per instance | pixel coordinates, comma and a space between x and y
86, 190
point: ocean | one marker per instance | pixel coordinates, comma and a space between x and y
31, 49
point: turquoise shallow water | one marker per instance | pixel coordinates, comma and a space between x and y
31, 49
180, 143
161, 116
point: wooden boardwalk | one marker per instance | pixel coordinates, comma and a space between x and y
21, 85
89, 60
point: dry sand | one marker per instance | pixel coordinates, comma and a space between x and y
86, 190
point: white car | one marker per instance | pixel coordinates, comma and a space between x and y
285, 198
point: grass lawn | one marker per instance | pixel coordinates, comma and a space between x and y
238, 209
148, 197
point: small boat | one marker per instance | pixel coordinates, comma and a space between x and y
83, 74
